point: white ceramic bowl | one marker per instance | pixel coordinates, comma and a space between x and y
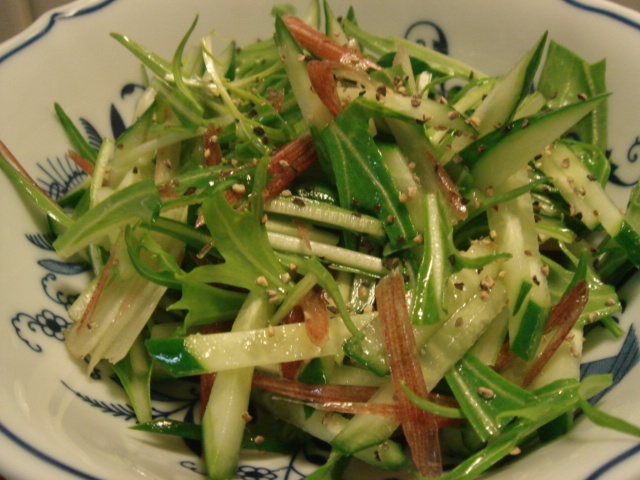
58, 423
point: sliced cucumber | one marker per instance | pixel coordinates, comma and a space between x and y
496, 156
515, 232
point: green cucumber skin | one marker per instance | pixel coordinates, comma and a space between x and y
629, 239
496, 156
172, 354
526, 342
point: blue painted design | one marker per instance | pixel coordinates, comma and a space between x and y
616, 177
607, 13
53, 19
117, 410
613, 462
58, 296
43, 456
632, 157
42, 240
250, 472
422, 32
46, 322
117, 123
61, 176
618, 365
64, 268
93, 136
193, 466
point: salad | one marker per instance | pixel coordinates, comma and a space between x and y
351, 238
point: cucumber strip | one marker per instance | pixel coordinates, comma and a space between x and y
499, 105
314, 112
527, 289
226, 414
288, 228
488, 346
325, 214
131, 138
496, 156
439, 352
459, 333
387, 455
198, 353
364, 431
588, 198
342, 257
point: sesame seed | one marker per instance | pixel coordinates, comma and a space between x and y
486, 393
246, 417
286, 193
566, 163
610, 302
285, 277
419, 239
515, 451
403, 197
487, 283
258, 440
459, 322
473, 121
262, 281
239, 188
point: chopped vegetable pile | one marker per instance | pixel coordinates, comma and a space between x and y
354, 236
